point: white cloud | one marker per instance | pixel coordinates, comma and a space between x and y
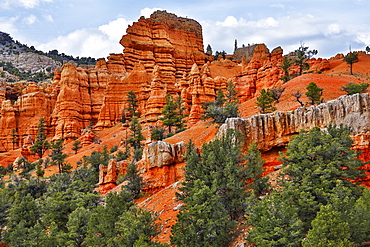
115, 29
29, 20
28, 4
7, 25
279, 5
333, 29
92, 42
363, 38
230, 21
146, 12
285, 31
48, 18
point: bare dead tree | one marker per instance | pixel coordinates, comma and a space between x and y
276, 93
297, 96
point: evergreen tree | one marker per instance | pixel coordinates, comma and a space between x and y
213, 191
41, 144
101, 229
39, 172
359, 218
254, 170
209, 51
77, 226
287, 62
353, 88
314, 93
135, 181
317, 168
275, 222
135, 140
96, 158
158, 133
14, 138
58, 157
136, 225
302, 55
172, 113
181, 114
265, 100
222, 108
350, 59
76, 146
328, 230
231, 93
132, 103
203, 221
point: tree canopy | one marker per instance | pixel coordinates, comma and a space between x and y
353, 88
318, 180
350, 59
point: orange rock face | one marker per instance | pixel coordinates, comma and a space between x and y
173, 43
263, 71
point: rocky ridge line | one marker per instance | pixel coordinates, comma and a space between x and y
276, 129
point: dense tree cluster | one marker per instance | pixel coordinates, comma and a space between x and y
319, 201
66, 212
214, 191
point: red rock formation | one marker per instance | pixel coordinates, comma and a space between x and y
173, 43
23, 116
276, 129
157, 97
160, 165
263, 71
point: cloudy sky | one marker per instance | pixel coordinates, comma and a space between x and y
94, 27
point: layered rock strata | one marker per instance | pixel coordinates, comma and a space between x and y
276, 129
160, 164
173, 43
262, 71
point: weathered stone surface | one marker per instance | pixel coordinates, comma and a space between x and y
111, 176
23, 112
161, 153
276, 129
29, 61
173, 43
262, 71
159, 166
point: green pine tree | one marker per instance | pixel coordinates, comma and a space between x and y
350, 59
137, 136
173, 113
41, 144
328, 230
76, 146
203, 221
265, 101
254, 170
353, 88
58, 157
287, 62
135, 181
317, 168
214, 192
223, 107
132, 103
314, 93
